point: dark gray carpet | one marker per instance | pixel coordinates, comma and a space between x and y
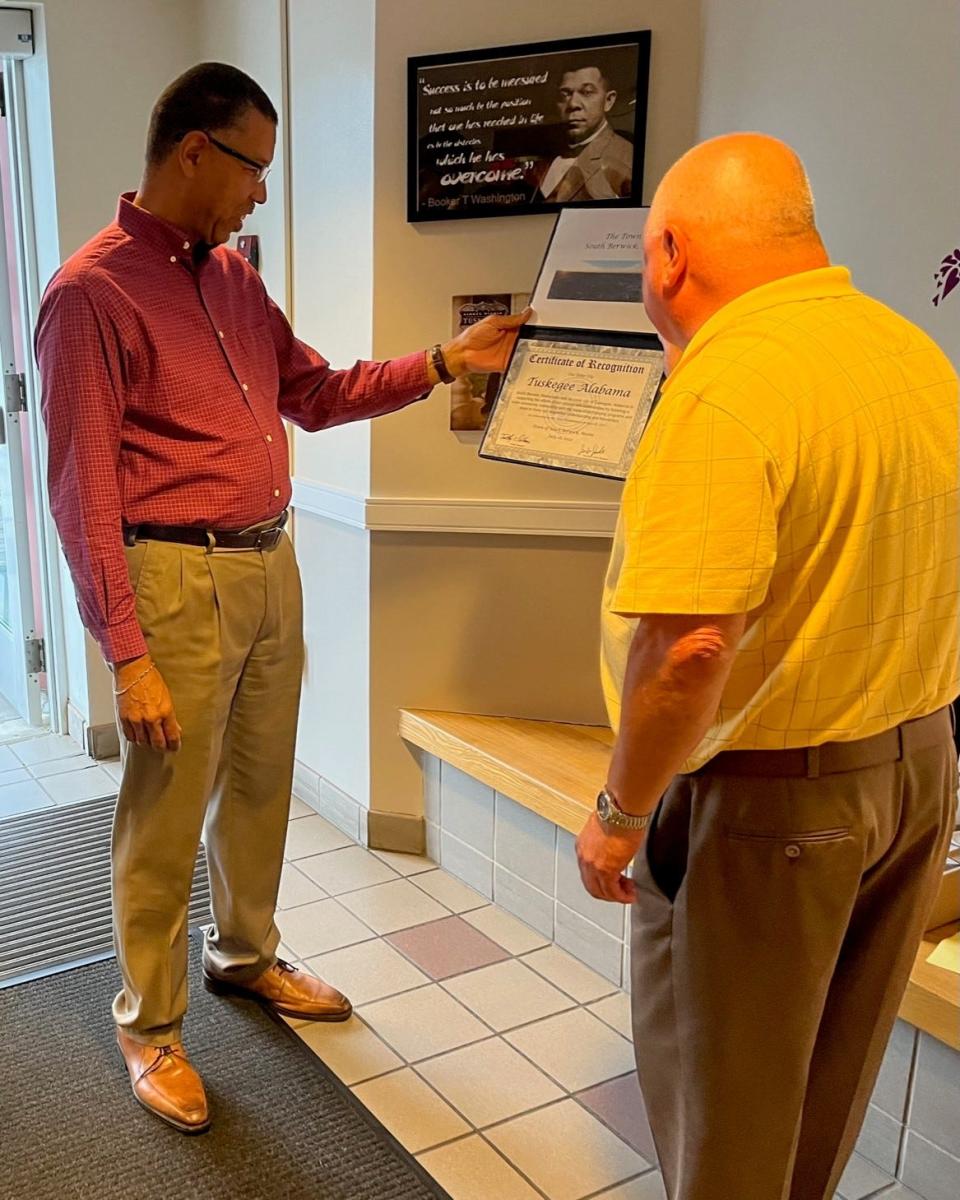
55, 889
283, 1127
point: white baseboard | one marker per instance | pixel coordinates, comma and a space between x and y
471, 515
99, 741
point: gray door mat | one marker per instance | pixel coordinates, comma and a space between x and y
55, 889
284, 1128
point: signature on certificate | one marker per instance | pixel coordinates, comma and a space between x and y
592, 450
515, 439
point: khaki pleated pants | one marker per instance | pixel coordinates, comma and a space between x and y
225, 629
775, 926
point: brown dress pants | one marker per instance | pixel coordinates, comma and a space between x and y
225, 629
775, 926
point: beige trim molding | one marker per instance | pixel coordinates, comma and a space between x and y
403, 514
395, 831
99, 741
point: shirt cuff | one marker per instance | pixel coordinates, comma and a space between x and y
119, 643
410, 375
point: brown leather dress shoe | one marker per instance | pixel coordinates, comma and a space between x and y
288, 991
165, 1083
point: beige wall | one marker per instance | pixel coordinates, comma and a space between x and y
249, 34
452, 619
419, 267
334, 734
331, 127
498, 625
459, 621
867, 92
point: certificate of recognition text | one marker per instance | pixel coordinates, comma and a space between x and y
574, 405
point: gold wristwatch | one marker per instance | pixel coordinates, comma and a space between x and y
610, 813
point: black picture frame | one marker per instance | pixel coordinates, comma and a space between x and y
581, 337
506, 124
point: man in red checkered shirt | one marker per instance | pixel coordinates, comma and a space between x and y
167, 374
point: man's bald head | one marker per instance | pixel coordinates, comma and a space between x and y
731, 214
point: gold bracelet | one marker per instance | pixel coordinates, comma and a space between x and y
123, 691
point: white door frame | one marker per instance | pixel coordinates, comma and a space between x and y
29, 279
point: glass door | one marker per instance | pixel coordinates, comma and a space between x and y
21, 645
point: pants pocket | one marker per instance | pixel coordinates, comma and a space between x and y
807, 837
136, 556
667, 845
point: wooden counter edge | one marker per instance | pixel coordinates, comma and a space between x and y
932, 999
421, 730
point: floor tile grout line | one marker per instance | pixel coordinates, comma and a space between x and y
593, 1000
603, 1120
351, 891
523, 1175
496, 1149
526, 1024
484, 902
614, 988
512, 1028
383, 1042
473, 1129
469, 1011
363, 1003
515, 1166
598, 1195
373, 932
588, 1006
514, 1116
498, 1035
491, 1124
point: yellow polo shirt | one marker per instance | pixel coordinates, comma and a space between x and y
801, 466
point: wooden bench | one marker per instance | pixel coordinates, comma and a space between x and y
556, 770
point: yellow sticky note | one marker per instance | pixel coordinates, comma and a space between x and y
947, 954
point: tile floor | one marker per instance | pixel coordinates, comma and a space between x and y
499, 1060
49, 770
496, 1058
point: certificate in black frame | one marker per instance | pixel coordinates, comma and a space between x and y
648, 344
530, 128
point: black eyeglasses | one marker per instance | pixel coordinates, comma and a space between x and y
262, 170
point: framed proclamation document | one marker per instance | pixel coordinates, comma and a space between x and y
585, 375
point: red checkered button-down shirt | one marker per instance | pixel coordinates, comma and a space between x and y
165, 378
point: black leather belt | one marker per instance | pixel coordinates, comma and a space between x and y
265, 536
832, 758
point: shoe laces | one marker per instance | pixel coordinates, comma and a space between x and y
163, 1052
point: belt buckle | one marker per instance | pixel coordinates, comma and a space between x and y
269, 539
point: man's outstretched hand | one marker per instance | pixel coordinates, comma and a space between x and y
145, 706
484, 347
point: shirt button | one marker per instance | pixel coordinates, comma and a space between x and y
173, 258
220, 333
269, 437
276, 491
792, 851
244, 386
186, 245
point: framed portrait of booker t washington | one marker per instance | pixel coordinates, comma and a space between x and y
528, 129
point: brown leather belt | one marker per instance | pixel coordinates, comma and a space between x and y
265, 536
832, 758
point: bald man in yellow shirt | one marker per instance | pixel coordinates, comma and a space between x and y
780, 650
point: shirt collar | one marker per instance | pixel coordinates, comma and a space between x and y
791, 289
573, 151
172, 242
